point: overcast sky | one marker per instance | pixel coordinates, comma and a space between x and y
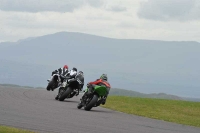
170, 20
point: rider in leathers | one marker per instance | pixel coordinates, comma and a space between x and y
61, 71
71, 76
102, 81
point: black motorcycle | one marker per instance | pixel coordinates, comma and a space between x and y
70, 88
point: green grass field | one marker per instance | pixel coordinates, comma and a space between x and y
6, 129
182, 112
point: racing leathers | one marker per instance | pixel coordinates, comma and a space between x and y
61, 71
100, 82
71, 77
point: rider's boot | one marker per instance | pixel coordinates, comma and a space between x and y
56, 97
103, 101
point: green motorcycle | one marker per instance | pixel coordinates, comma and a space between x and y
93, 97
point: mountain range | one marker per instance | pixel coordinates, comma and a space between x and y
146, 66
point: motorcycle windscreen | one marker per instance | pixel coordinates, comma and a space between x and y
101, 90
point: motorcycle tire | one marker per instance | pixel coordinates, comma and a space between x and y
50, 85
92, 103
65, 94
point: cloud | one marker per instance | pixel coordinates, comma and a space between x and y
95, 3
46, 5
117, 9
166, 10
94, 17
127, 25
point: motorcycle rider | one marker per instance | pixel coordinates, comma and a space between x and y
61, 71
102, 81
71, 76
72, 73
80, 78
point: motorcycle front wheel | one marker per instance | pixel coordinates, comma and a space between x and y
50, 85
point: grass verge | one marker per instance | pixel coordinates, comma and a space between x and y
6, 129
182, 112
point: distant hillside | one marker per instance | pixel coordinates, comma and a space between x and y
114, 91
18, 86
122, 92
146, 66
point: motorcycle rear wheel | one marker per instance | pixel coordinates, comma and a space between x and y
65, 94
92, 103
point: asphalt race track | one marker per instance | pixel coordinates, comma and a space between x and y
37, 110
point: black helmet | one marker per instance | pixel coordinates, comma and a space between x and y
74, 69
104, 77
80, 72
